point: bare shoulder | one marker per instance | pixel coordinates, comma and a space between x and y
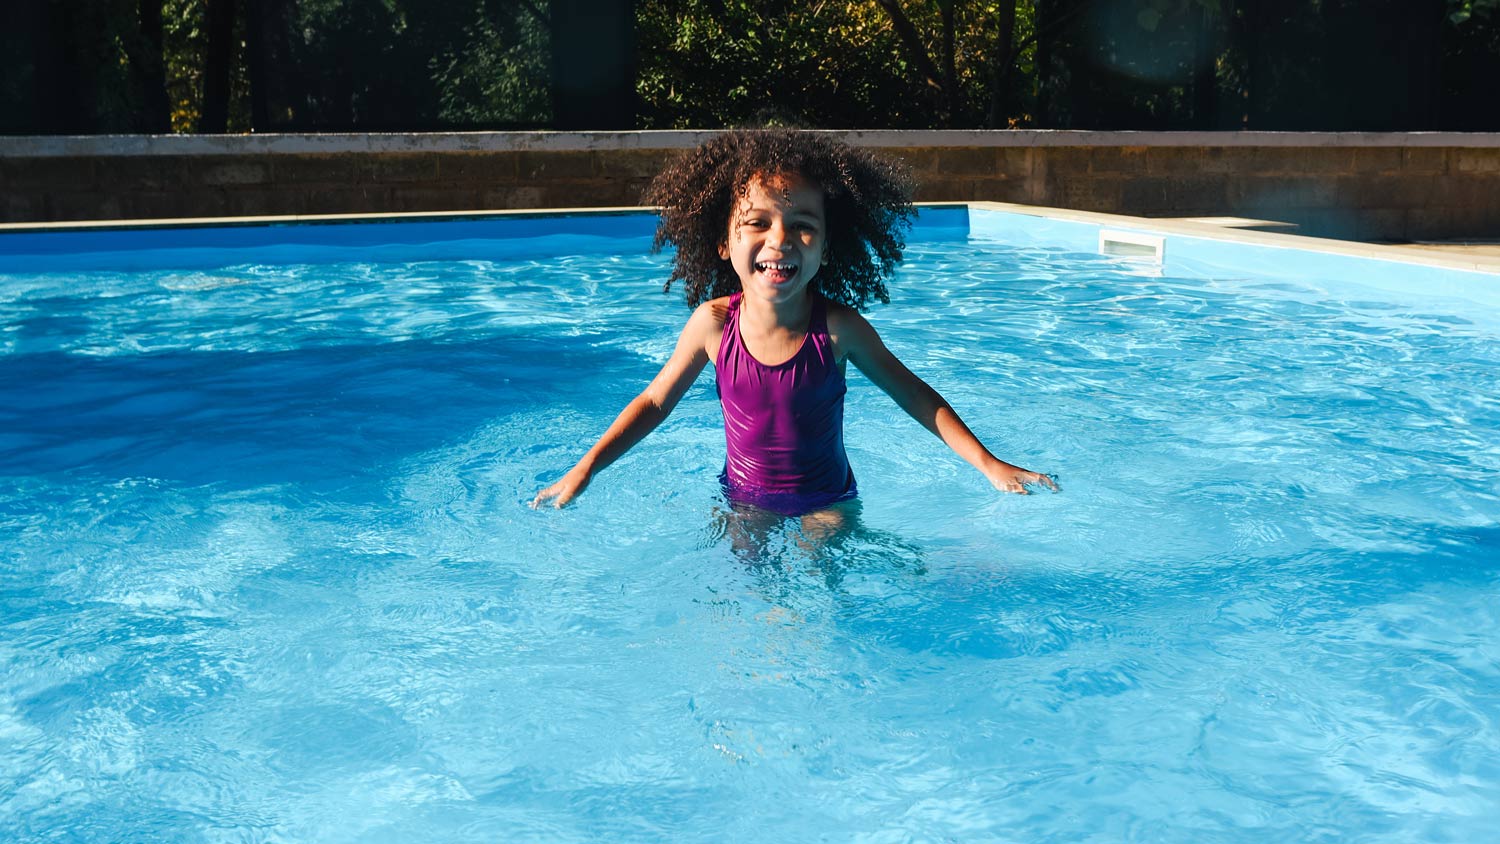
717, 310
848, 329
706, 325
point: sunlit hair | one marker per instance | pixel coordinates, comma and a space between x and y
867, 202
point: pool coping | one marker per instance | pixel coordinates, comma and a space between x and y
284, 219
1423, 255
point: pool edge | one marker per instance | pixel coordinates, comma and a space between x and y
1278, 240
1483, 264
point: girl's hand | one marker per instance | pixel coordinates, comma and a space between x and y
564, 490
1008, 478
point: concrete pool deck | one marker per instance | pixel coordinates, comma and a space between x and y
1478, 249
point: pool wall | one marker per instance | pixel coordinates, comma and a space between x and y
402, 237
1363, 186
1199, 250
1185, 249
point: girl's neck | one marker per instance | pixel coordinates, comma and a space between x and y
790, 315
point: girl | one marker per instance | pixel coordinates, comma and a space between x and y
782, 237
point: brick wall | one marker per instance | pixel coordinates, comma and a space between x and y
1360, 186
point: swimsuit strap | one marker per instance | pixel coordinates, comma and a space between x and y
817, 338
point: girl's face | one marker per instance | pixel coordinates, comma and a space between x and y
776, 239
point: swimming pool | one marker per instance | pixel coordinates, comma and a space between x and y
270, 574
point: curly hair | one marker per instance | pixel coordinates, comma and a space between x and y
867, 201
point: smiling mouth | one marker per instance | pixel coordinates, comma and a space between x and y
776, 267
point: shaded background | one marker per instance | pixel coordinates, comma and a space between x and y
123, 66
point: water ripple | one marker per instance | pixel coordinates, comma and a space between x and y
271, 575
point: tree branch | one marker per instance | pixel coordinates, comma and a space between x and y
912, 41
1004, 61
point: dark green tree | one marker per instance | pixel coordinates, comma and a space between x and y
84, 66
875, 63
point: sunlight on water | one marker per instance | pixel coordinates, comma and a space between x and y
270, 574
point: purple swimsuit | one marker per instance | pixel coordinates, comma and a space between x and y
783, 424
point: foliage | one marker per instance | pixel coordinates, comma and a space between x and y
369, 65
410, 64
1461, 12
185, 51
79, 66
493, 71
1470, 69
826, 64
42, 50
712, 64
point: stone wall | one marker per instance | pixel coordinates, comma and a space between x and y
1407, 186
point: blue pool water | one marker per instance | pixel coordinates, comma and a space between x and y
269, 573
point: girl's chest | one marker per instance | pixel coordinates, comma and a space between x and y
772, 348
796, 358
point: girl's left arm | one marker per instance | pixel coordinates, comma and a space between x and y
862, 345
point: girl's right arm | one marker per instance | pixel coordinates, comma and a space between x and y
646, 410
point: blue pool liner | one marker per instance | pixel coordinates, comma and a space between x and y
1190, 256
504, 237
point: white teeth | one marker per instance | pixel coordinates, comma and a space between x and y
777, 265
